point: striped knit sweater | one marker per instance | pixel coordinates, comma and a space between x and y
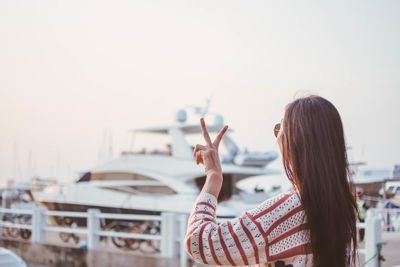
272, 234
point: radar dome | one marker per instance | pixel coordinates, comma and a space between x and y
219, 120
181, 115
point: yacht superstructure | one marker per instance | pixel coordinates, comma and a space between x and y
150, 183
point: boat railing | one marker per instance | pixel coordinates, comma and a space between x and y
171, 234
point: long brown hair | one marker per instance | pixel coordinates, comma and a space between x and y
315, 161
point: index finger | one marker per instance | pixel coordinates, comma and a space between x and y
205, 132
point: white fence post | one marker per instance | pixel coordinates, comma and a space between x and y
183, 221
1, 227
39, 222
168, 234
93, 226
373, 235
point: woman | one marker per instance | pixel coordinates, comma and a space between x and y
313, 225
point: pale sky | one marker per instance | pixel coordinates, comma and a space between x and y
71, 69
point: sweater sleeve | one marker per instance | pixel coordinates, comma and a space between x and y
245, 240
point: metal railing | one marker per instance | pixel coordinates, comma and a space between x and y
390, 219
171, 235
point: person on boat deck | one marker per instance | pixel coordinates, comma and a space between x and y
312, 225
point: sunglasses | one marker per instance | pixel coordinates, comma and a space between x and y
277, 129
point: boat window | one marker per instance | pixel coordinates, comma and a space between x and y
120, 176
159, 189
164, 190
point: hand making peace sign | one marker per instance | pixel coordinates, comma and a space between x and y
208, 154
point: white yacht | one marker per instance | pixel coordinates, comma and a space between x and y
150, 183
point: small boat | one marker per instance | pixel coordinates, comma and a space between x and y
10, 259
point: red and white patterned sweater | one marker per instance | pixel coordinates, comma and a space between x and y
272, 234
